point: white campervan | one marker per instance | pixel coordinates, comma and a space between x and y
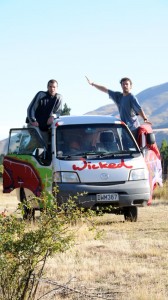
95, 158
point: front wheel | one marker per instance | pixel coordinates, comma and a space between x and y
28, 213
131, 213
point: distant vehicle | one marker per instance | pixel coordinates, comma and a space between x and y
112, 171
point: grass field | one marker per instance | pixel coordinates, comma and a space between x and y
127, 261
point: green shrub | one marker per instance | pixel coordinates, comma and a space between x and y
24, 248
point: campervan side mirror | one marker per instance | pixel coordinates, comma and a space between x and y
150, 138
39, 152
43, 156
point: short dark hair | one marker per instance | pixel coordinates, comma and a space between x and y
52, 81
125, 79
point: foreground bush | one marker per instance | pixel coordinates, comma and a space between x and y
25, 247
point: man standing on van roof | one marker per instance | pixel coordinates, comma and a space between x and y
128, 105
43, 108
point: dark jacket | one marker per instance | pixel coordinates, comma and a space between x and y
42, 107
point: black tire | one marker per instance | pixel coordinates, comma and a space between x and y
28, 213
131, 213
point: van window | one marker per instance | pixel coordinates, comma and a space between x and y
93, 138
24, 141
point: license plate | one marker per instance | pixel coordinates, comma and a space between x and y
107, 197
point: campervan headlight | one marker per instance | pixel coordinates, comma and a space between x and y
139, 174
69, 177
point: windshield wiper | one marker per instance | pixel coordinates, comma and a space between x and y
126, 153
119, 153
107, 154
94, 154
86, 155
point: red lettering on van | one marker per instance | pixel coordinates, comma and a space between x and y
100, 165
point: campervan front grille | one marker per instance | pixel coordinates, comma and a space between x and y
105, 183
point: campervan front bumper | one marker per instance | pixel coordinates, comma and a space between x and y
91, 195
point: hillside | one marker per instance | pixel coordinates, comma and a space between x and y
3, 146
154, 100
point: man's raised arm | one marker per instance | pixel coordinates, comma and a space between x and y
97, 86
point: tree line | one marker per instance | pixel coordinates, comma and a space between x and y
164, 158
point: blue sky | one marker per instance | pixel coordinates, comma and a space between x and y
66, 40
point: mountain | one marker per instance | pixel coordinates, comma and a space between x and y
160, 135
153, 100
3, 146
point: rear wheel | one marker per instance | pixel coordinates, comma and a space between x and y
131, 213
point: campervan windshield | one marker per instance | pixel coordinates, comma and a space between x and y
94, 138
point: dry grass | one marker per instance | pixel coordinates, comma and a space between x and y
128, 261
161, 192
8, 202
